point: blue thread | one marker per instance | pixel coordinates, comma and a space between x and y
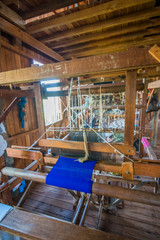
70, 174
21, 105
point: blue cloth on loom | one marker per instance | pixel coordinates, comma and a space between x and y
70, 174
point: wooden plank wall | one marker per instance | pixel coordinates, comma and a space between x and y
10, 60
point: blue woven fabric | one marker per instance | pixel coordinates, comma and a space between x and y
70, 174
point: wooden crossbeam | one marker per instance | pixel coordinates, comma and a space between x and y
93, 89
92, 146
130, 59
23, 134
11, 15
87, 13
5, 93
109, 23
25, 37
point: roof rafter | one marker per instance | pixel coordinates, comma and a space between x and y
25, 37
113, 22
87, 13
11, 15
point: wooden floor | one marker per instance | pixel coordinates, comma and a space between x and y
135, 221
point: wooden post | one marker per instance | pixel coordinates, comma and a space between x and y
130, 107
142, 119
39, 108
155, 124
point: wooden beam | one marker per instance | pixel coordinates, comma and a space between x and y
87, 13
155, 52
117, 46
24, 154
25, 37
52, 228
22, 134
143, 117
93, 89
92, 146
130, 103
15, 181
11, 15
155, 84
49, 6
26, 52
109, 41
39, 108
109, 23
5, 93
97, 188
98, 36
134, 58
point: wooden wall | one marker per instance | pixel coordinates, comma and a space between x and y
10, 60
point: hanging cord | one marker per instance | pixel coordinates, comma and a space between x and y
85, 158
115, 150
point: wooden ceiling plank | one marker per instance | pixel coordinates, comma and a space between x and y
113, 22
11, 15
48, 7
86, 13
130, 59
25, 37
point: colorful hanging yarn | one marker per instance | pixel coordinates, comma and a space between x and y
21, 106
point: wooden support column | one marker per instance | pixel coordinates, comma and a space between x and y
39, 108
142, 119
130, 107
155, 123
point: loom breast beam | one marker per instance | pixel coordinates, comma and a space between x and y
97, 188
